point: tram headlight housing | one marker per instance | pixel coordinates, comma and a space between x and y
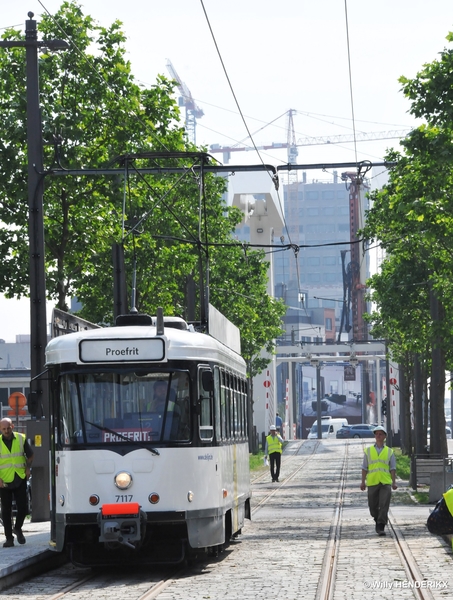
123, 480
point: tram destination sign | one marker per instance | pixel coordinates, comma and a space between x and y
114, 350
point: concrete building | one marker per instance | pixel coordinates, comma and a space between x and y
317, 284
14, 370
309, 280
256, 196
318, 216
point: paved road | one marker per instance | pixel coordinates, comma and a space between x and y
282, 551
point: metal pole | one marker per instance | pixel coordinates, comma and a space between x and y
418, 406
39, 394
389, 401
318, 400
38, 319
38, 431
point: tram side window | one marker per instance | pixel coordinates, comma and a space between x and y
236, 416
244, 408
231, 406
240, 414
217, 404
228, 405
205, 389
223, 406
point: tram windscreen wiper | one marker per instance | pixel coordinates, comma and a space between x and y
120, 435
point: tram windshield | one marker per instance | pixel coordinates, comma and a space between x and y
114, 408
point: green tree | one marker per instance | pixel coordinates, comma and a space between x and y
171, 225
412, 217
92, 110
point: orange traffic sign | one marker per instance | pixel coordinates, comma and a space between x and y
16, 412
17, 401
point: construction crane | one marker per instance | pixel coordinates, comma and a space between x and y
193, 112
291, 138
291, 144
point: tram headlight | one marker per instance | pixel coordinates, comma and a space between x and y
190, 496
123, 480
94, 500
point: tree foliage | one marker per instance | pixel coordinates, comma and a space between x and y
412, 217
93, 113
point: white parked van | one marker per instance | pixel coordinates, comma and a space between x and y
329, 428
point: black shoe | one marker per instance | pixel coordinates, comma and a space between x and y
8, 543
380, 528
19, 535
276, 480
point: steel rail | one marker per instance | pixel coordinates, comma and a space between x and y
409, 562
327, 576
156, 587
286, 480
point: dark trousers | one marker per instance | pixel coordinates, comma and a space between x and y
6, 497
379, 497
275, 460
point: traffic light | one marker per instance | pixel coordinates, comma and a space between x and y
384, 407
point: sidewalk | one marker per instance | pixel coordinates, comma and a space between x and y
36, 550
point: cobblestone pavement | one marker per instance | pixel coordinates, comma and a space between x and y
281, 552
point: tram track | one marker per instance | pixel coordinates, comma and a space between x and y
414, 574
69, 582
326, 580
73, 586
325, 589
311, 537
327, 576
290, 457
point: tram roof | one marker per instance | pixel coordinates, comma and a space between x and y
179, 345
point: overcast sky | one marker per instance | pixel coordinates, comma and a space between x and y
293, 54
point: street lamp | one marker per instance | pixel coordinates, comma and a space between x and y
38, 402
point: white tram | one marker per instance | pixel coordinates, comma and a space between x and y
135, 481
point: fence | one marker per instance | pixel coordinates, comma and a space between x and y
434, 471
19, 421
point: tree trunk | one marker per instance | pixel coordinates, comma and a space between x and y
438, 439
405, 408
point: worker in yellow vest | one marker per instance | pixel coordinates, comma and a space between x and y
440, 520
379, 476
16, 456
448, 497
273, 449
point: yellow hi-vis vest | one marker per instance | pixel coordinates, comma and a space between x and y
14, 461
273, 444
378, 466
448, 496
